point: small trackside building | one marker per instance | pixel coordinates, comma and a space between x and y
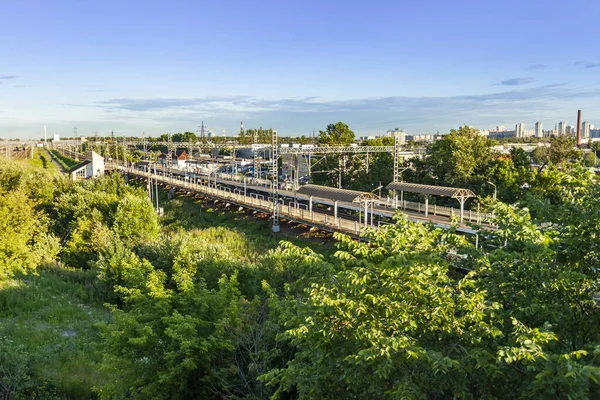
92, 166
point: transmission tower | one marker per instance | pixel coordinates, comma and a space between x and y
201, 131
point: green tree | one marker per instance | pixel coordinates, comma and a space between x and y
561, 150
136, 221
519, 157
336, 134
459, 156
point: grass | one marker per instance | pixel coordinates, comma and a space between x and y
66, 162
53, 316
41, 159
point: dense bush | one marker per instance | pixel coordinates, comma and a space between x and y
25, 196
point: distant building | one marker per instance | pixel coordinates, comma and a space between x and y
519, 130
92, 166
397, 132
501, 135
562, 128
570, 129
56, 137
178, 159
539, 131
585, 130
500, 128
421, 138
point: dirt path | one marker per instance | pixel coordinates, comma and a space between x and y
58, 166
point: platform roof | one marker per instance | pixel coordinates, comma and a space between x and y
430, 189
344, 195
80, 166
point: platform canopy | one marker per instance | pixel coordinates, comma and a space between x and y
343, 195
455, 193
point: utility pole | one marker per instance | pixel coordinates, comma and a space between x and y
156, 188
75, 139
254, 151
144, 141
275, 192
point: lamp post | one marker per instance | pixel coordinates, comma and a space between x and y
494, 185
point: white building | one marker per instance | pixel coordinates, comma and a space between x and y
562, 128
520, 130
585, 130
539, 131
56, 137
398, 132
92, 166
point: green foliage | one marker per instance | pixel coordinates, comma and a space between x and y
136, 220
519, 157
66, 162
18, 223
206, 304
560, 150
14, 370
92, 210
25, 241
459, 156
48, 320
336, 134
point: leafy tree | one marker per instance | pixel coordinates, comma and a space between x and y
336, 134
519, 157
136, 220
561, 150
417, 312
458, 156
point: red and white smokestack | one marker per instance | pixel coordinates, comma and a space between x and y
241, 126
578, 127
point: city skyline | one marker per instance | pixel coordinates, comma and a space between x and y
153, 67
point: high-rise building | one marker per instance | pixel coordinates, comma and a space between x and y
562, 128
398, 132
585, 130
570, 130
539, 131
500, 128
519, 130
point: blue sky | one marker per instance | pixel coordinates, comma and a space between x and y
156, 66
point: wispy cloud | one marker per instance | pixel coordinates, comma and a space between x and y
516, 81
586, 64
538, 66
8, 77
315, 104
299, 115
